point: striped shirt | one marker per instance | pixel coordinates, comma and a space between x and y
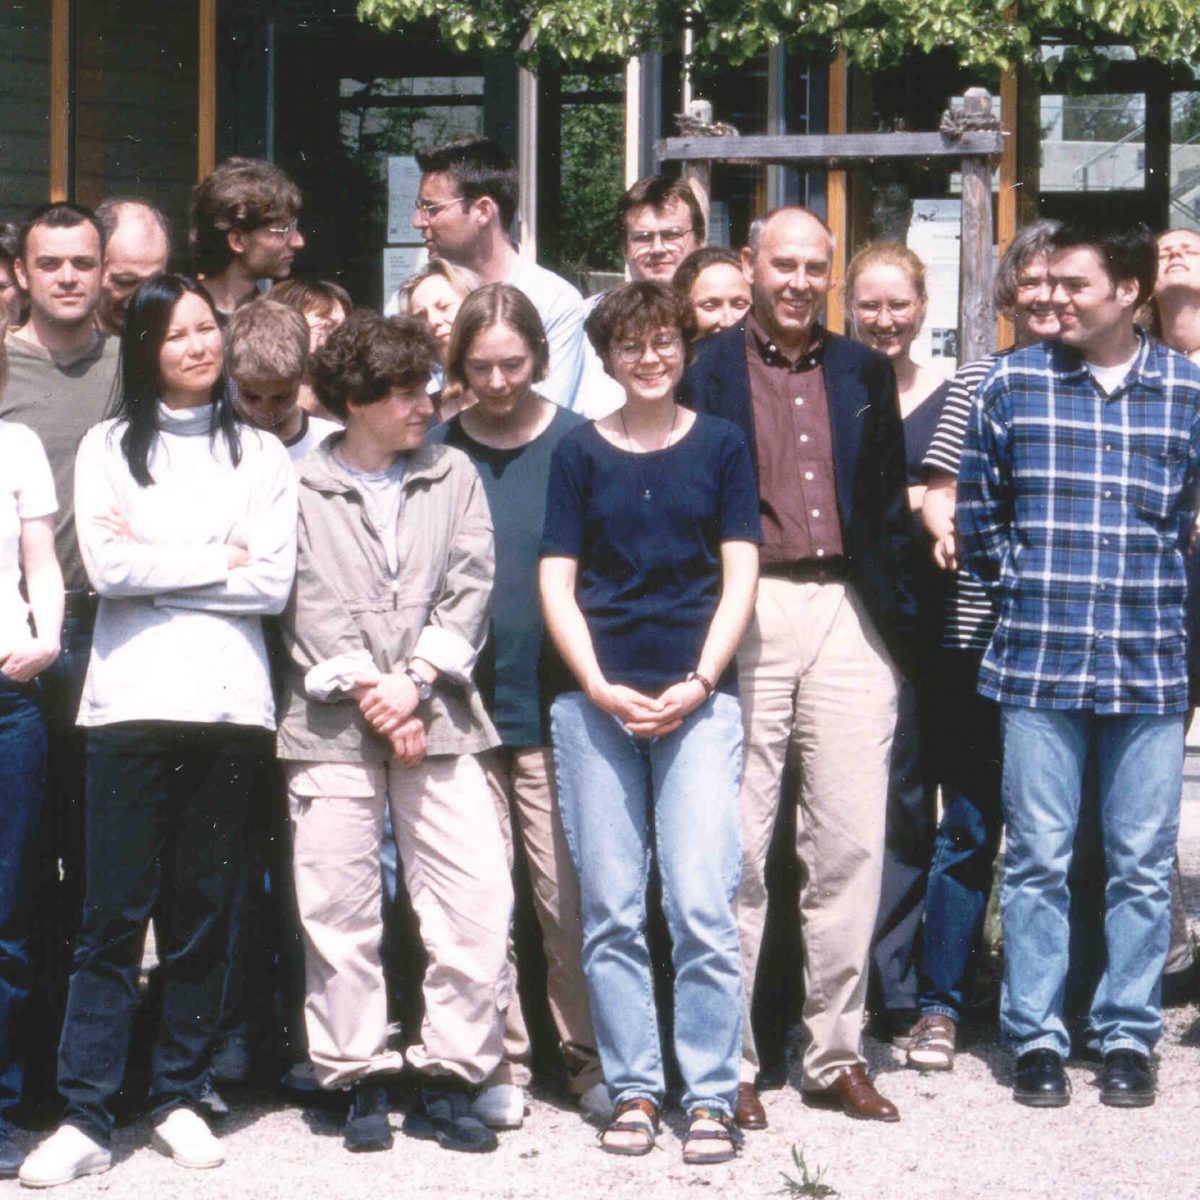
969, 616
1075, 507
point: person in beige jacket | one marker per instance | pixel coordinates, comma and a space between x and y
390, 609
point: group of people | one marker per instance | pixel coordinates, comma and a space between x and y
303, 604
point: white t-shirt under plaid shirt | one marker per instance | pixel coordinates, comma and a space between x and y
1076, 508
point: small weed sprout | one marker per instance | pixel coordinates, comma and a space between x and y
810, 1182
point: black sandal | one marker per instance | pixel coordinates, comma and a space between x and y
729, 1132
619, 1125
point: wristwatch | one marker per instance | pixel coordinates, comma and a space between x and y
423, 686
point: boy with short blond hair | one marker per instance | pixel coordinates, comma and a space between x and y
266, 351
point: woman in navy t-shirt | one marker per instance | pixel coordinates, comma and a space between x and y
648, 576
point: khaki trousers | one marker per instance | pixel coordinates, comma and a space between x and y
522, 785
815, 678
452, 853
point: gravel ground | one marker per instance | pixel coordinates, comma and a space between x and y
959, 1136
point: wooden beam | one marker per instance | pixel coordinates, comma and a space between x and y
60, 99
206, 99
837, 194
1006, 201
977, 315
836, 148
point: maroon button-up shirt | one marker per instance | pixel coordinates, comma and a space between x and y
796, 484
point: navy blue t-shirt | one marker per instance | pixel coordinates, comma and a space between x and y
647, 530
518, 672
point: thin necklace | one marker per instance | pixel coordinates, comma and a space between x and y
645, 488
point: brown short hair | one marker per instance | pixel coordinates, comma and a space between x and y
367, 355
496, 304
312, 296
698, 262
658, 191
638, 308
242, 193
266, 340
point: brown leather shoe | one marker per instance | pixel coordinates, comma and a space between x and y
855, 1095
749, 1112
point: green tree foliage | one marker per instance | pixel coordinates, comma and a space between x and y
874, 33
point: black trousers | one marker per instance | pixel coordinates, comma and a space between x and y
164, 818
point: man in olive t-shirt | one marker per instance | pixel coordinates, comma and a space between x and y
61, 381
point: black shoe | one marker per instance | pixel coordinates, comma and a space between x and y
1127, 1080
443, 1114
366, 1126
11, 1156
1040, 1080
231, 1061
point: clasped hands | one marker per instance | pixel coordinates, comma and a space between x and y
390, 705
648, 716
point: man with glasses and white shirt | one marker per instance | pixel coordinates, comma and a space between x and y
466, 205
244, 229
660, 223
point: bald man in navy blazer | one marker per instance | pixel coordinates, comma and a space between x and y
818, 668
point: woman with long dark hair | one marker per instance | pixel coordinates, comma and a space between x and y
186, 521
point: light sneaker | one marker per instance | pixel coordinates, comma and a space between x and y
500, 1106
932, 1045
596, 1104
183, 1136
68, 1153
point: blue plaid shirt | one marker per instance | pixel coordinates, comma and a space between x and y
1075, 509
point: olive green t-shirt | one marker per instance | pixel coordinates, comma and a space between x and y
60, 400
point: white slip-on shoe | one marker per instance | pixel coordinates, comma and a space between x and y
183, 1136
68, 1153
500, 1106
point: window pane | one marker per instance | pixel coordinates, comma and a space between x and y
25, 102
1093, 143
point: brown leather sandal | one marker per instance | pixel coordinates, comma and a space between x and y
729, 1132
622, 1123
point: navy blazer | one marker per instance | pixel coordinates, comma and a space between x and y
868, 465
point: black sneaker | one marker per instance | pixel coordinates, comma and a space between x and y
442, 1113
1127, 1080
367, 1125
1040, 1081
11, 1155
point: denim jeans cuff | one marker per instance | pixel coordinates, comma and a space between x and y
718, 1107
940, 1010
636, 1093
1125, 1043
1046, 1041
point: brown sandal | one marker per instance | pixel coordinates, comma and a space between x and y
729, 1132
622, 1123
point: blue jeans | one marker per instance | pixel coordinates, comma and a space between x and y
22, 785
1139, 772
611, 786
964, 849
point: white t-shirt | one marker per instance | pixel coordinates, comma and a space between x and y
561, 308
26, 491
313, 431
381, 494
1111, 378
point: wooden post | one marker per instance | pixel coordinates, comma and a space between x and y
837, 195
976, 311
61, 116
699, 174
206, 116
1006, 200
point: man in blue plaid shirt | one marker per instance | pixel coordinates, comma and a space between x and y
1076, 500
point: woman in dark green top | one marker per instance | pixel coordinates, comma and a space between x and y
498, 352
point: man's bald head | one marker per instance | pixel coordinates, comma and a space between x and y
137, 247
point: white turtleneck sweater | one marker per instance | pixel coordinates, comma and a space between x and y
178, 634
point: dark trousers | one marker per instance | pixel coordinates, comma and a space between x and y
908, 844
165, 812
58, 870
22, 786
960, 874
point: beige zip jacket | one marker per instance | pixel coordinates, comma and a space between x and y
346, 601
